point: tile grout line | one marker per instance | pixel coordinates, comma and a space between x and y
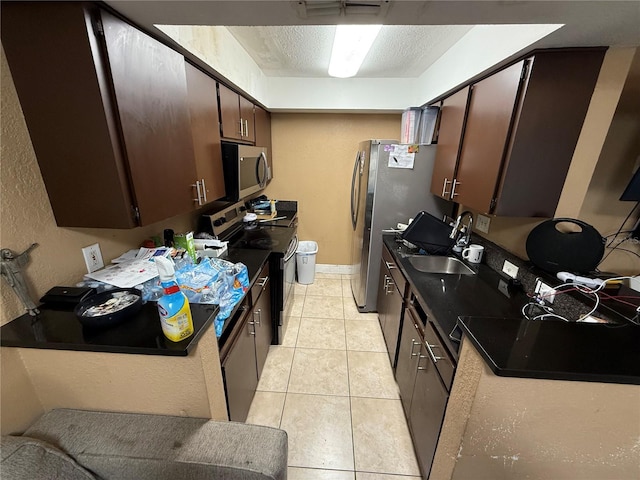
353, 437
286, 393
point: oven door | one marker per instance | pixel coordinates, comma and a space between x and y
289, 268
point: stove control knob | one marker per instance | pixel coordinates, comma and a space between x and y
218, 222
243, 209
223, 220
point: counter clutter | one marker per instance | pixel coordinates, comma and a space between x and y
57, 327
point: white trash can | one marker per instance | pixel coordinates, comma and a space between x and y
306, 261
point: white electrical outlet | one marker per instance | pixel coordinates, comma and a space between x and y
482, 223
93, 257
510, 269
545, 292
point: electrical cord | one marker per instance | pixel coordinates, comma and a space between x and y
615, 235
548, 311
617, 247
618, 233
622, 225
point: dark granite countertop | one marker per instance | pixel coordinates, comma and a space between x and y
446, 297
557, 350
489, 313
59, 329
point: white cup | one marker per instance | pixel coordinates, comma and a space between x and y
473, 253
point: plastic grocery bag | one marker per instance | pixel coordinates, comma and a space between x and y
234, 282
224, 283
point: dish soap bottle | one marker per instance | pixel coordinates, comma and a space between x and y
175, 313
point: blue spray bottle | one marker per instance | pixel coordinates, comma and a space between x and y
175, 313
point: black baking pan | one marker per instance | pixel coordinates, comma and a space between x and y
429, 233
555, 251
109, 308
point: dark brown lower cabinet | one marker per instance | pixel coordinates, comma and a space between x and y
381, 304
391, 293
244, 359
240, 372
407, 365
428, 404
424, 372
389, 310
262, 317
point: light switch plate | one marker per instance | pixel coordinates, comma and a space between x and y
482, 223
93, 257
510, 269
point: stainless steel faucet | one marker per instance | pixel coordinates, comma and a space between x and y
462, 235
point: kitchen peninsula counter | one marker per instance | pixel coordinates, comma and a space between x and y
167, 383
59, 329
557, 350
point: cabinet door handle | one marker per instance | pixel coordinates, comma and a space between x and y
246, 128
420, 357
259, 312
262, 281
254, 328
204, 192
413, 344
453, 187
431, 354
388, 281
444, 188
241, 128
198, 192
390, 266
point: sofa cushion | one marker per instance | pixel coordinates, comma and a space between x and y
141, 446
24, 458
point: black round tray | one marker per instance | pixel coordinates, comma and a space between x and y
108, 318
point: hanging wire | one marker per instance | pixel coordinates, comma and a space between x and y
622, 225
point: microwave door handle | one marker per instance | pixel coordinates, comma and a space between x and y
261, 158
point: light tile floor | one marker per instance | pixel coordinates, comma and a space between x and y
331, 387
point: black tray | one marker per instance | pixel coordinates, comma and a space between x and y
109, 318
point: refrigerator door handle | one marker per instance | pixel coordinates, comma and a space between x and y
354, 200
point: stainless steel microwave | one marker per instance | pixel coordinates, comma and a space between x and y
246, 170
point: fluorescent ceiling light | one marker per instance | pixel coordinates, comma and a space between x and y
350, 45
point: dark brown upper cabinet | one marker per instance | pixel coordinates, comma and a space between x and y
263, 134
236, 116
452, 117
521, 129
150, 86
205, 131
106, 108
491, 108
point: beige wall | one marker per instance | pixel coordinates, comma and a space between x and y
507, 428
313, 162
184, 386
605, 157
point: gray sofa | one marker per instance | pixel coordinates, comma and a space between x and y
83, 445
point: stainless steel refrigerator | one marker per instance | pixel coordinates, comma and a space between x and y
389, 185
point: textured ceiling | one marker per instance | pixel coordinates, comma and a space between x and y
304, 51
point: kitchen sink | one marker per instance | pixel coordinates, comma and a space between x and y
436, 264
